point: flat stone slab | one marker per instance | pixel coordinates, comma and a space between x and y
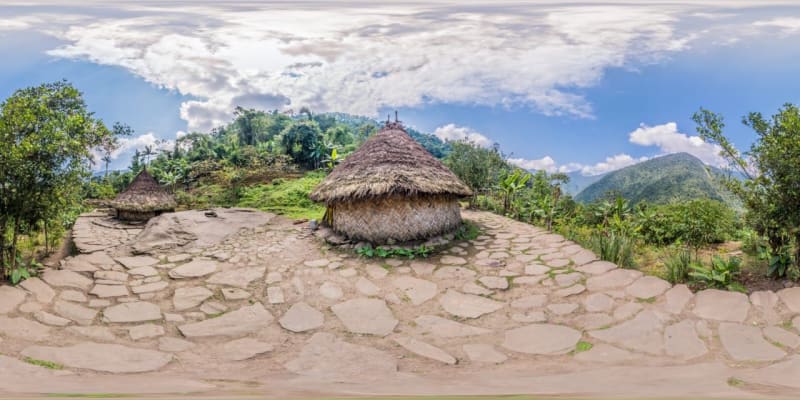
239, 277
416, 290
23, 328
191, 297
74, 312
745, 343
647, 287
50, 319
447, 328
68, 279
564, 280
366, 287
193, 269
468, 305
494, 282
782, 337
677, 298
10, 298
721, 305
613, 279
99, 333
483, 353
137, 311
137, 261
105, 291
454, 274
243, 349
606, 354
174, 345
542, 339
331, 291
598, 302
43, 292
642, 333
101, 357
143, 271
452, 260
246, 320
765, 302
597, 267
528, 302
328, 358
681, 340
117, 276
367, 316
146, 331
791, 298
301, 317
426, 350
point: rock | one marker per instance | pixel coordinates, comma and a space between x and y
116, 276
483, 353
422, 268
642, 333
366, 287
150, 287
73, 296
598, 302
176, 258
564, 280
275, 295
348, 272
721, 305
446, 328
22, 328
367, 316
606, 353
494, 282
536, 269
75, 312
417, 290
191, 297
765, 303
779, 375
562, 308
240, 277
593, 321
325, 357
782, 337
473, 288
647, 287
171, 317
137, 261
467, 305
100, 333
101, 357
529, 317
570, 291
376, 272
615, 278
597, 267
246, 320
30, 307
532, 301
105, 291
331, 291
452, 260
317, 263
454, 274
50, 319
10, 298
136, 311
193, 269
174, 345
143, 271
233, 294
213, 308
43, 292
243, 349
680, 340
542, 339
791, 298
301, 317
627, 310
582, 257
745, 343
273, 277
146, 331
426, 350
677, 298
68, 279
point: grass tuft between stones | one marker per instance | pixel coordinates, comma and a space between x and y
735, 382
583, 346
43, 363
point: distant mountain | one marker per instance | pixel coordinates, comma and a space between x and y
578, 182
678, 176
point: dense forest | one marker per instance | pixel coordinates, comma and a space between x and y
271, 160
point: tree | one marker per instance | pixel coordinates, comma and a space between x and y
110, 143
46, 137
476, 166
771, 188
303, 142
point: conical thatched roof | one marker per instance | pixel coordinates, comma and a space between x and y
390, 162
144, 194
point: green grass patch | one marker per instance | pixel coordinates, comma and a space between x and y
44, 363
735, 382
583, 346
287, 197
468, 231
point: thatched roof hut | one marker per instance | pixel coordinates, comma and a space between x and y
143, 199
391, 190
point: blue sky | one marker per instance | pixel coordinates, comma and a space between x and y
589, 86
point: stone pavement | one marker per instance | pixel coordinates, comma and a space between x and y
247, 297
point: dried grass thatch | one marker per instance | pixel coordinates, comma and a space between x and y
396, 218
144, 195
388, 163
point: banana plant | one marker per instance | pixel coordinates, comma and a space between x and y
510, 185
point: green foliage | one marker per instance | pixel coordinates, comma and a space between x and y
613, 247
480, 168
467, 231
43, 363
368, 251
285, 196
779, 262
720, 274
510, 185
697, 223
583, 346
677, 265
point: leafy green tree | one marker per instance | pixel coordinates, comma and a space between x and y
771, 188
46, 141
303, 142
480, 168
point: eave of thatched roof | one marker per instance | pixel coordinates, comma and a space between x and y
389, 163
144, 194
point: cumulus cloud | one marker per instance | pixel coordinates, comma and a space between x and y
454, 132
611, 163
787, 25
669, 140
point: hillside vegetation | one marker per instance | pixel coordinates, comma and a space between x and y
661, 180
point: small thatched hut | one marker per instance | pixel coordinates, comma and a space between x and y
143, 199
391, 190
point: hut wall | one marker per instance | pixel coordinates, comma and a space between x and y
400, 219
129, 215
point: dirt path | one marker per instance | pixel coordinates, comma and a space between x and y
246, 303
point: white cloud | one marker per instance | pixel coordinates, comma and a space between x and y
546, 163
612, 163
667, 138
787, 25
454, 132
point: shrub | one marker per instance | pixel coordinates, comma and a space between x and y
613, 247
720, 274
677, 266
696, 223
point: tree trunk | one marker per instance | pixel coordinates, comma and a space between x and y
14, 244
797, 249
46, 240
3, 226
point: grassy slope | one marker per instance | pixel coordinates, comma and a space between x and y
288, 197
